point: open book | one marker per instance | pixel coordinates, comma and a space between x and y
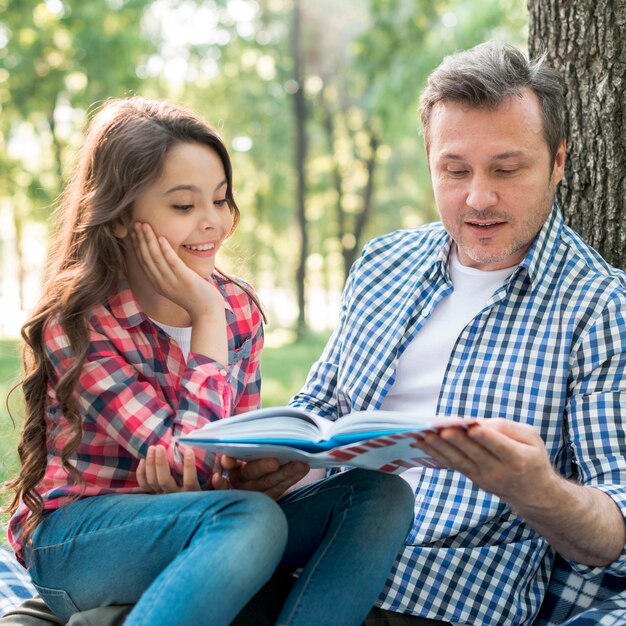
381, 440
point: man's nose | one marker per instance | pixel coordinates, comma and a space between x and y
481, 194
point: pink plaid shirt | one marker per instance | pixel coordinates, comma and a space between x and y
136, 390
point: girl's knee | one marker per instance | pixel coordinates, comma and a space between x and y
262, 518
262, 531
249, 515
266, 515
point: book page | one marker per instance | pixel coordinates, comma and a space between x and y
268, 424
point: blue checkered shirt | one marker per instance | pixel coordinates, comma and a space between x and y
548, 349
15, 584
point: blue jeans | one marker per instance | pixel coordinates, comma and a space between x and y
196, 558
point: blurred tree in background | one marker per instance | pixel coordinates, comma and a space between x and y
316, 98
56, 59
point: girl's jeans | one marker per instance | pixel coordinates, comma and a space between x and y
196, 558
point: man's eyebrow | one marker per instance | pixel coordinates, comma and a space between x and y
511, 154
450, 155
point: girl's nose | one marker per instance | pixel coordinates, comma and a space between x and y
209, 218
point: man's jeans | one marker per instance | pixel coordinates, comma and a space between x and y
199, 557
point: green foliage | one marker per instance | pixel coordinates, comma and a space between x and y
59, 59
363, 72
286, 366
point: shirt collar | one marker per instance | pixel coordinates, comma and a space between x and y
443, 259
127, 311
540, 256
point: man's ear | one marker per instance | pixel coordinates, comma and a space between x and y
558, 171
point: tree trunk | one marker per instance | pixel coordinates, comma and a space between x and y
586, 41
342, 229
300, 110
350, 254
18, 228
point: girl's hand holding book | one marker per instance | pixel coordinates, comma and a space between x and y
154, 474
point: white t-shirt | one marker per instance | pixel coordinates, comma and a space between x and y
422, 365
180, 334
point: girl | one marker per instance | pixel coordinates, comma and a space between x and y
137, 339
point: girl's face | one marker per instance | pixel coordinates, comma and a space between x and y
187, 205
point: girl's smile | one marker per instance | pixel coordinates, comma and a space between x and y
201, 249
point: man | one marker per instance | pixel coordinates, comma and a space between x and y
502, 313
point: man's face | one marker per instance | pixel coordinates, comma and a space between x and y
492, 178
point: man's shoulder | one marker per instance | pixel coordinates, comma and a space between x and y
587, 265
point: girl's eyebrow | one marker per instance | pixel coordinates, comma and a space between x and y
192, 188
182, 187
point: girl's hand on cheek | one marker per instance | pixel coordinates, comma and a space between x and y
170, 276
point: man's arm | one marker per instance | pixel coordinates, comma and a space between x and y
510, 460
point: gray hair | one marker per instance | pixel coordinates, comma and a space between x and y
488, 74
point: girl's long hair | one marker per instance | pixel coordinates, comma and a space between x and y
124, 152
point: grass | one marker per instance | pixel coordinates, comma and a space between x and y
9, 371
285, 364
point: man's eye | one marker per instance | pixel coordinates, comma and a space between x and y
457, 173
183, 207
504, 172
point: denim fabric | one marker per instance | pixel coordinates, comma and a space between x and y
198, 557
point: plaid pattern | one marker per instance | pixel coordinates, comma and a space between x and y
576, 601
549, 349
136, 391
15, 585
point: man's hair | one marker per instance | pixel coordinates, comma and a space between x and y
488, 74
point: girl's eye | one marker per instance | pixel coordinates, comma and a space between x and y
183, 207
222, 202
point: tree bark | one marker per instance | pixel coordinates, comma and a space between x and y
586, 41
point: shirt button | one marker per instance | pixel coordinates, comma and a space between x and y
223, 372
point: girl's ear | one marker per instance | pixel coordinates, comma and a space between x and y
120, 229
